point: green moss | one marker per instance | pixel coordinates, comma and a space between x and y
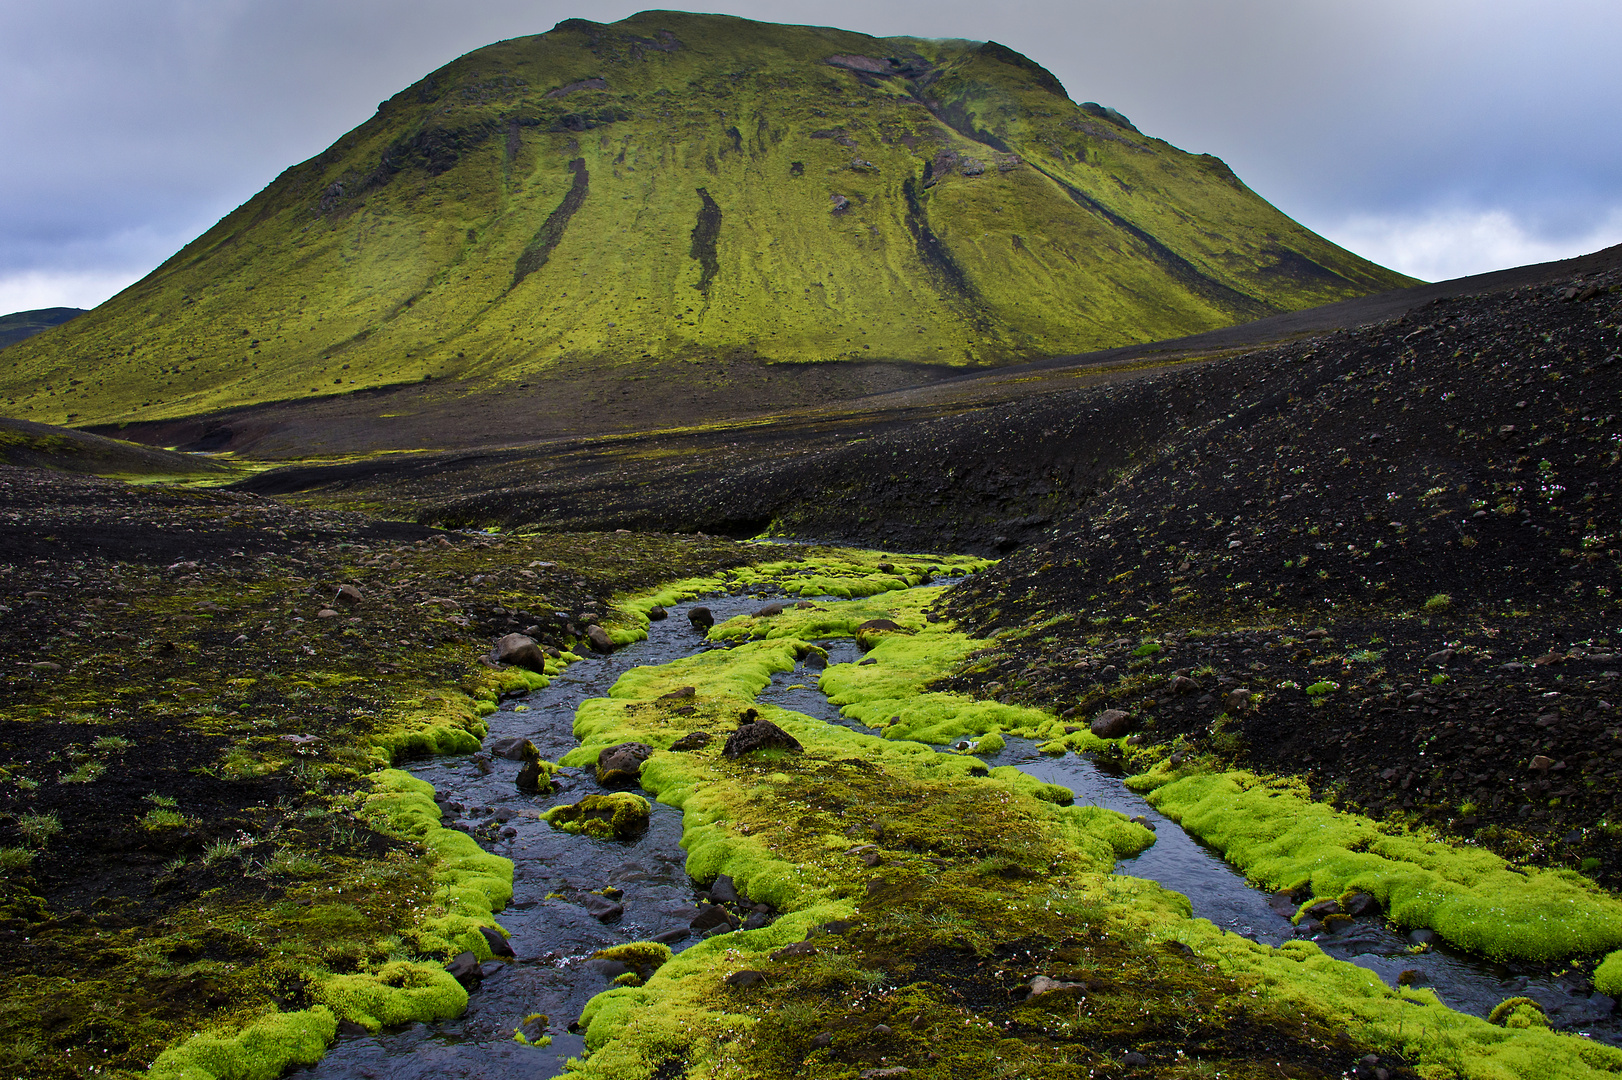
636, 954
1002, 859
262, 1050
397, 993
1281, 838
1608, 976
1518, 1012
471, 884
618, 815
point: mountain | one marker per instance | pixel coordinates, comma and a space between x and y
25, 324
677, 203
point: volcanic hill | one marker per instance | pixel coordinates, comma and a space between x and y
677, 217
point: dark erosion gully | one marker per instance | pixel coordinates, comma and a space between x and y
554, 934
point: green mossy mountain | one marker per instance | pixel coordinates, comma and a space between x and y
682, 188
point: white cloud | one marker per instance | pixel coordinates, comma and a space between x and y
30, 289
1443, 244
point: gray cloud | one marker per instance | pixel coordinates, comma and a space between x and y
134, 126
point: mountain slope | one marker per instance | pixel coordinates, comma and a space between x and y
683, 188
20, 325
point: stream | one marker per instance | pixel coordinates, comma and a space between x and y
555, 873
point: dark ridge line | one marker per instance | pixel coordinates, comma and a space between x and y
706, 230
551, 231
936, 257
1175, 265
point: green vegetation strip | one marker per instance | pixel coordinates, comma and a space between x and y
1273, 831
968, 860
471, 884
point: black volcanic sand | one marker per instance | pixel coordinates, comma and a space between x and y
1438, 495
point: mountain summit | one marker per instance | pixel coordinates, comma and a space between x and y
677, 195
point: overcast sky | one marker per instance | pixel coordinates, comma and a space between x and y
1439, 137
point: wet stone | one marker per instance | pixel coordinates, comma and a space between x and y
723, 891
710, 916
620, 766
499, 945
601, 908
465, 968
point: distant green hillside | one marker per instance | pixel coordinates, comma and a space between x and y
682, 187
25, 324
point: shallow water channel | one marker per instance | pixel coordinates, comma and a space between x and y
554, 935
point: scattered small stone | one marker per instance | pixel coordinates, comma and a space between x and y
745, 979
693, 740
349, 596
1111, 724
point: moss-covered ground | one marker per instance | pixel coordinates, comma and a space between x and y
198, 830
921, 894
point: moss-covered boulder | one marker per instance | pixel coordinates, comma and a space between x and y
619, 815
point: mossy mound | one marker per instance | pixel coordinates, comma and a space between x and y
619, 815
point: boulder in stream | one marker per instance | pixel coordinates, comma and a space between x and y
620, 766
701, 618
599, 639
601, 908
619, 815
